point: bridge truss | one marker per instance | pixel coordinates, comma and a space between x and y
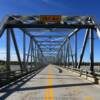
43, 47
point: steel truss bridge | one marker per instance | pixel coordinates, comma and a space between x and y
45, 49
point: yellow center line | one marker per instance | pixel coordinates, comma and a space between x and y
49, 93
88, 98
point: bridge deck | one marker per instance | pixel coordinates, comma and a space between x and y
52, 83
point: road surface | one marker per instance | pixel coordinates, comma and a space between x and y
52, 83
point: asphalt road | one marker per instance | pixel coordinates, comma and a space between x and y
52, 83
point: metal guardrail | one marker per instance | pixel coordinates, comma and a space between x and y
7, 77
85, 72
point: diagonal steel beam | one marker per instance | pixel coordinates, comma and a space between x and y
73, 32
83, 47
16, 48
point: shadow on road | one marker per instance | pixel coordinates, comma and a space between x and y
54, 86
8, 90
60, 70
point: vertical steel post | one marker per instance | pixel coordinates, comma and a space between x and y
8, 50
68, 55
76, 50
64, 56
24, 51
59, 58
29, 49
31, 53
35, 56
39, 60
92, 51
71, 54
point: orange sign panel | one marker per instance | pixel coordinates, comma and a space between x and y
56, 19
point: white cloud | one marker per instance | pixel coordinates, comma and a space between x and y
13, 54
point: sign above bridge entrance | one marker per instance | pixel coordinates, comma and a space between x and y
47, 19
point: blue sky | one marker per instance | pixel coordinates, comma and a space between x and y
62, 7
51, 7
